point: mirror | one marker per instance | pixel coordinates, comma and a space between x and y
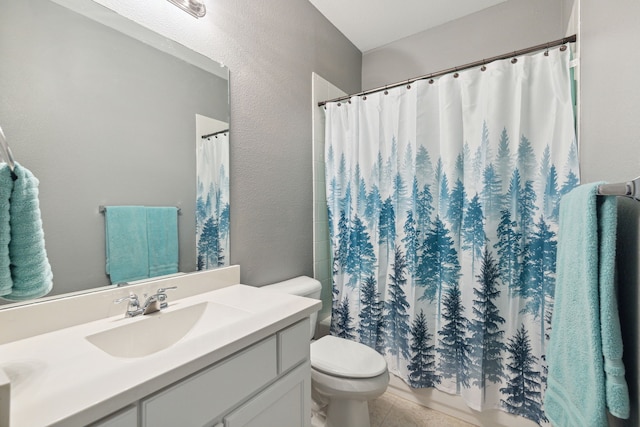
103, 112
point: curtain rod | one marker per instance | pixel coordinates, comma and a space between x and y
562, 41
214, 134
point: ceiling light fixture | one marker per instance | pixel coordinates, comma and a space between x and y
192, 7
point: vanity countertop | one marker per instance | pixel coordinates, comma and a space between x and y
60, 378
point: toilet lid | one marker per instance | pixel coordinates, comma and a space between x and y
344, 358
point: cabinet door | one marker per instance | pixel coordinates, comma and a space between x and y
206, 396
293, 345
128, 417
287, 402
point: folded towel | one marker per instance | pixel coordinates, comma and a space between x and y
30, 268
127, 247
6, 186
162, 236
586, 373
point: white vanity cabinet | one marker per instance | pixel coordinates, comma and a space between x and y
266, 384
127, 417
247, 368
284, 403
287, 401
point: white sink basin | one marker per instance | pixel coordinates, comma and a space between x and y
145, 335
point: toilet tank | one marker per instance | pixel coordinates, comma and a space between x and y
302, 286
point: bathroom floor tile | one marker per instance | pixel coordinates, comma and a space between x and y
391, 411
380, 408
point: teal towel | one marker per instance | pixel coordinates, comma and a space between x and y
6, 186
127, 247
162, 236
30, 269
586, 373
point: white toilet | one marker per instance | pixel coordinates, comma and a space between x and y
345, 374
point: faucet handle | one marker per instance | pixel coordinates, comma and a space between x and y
132, 298
162, 296
133, 309
163, 290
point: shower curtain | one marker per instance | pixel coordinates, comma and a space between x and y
443, 213
212, 203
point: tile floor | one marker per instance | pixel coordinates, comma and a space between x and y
391, 411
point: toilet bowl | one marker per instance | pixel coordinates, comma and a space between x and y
345, 374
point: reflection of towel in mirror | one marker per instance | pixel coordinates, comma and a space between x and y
30, 268
6, 185
127, 247
162, 236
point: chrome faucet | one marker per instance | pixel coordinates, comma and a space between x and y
133, 309
153, 303
157, 301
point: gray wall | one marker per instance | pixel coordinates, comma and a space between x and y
506, 27
273, 47
609, 128
100, 119
609, 104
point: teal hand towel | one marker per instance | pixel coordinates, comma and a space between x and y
586, 373
127, 248
30, 269
162, 236
6, 186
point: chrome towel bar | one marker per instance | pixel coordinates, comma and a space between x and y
102, 209
5, 153
629, 189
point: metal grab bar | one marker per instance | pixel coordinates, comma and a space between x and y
6, 155
629, 189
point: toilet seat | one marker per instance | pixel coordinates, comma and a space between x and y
340, 357
349, 388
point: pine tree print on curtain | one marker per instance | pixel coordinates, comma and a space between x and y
212, 203
443, 208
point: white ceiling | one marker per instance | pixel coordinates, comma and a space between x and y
373, 23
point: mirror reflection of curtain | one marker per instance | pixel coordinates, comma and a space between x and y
212, 206
443, 211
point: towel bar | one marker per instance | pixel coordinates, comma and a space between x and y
6, 155
102, 209
629, 189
